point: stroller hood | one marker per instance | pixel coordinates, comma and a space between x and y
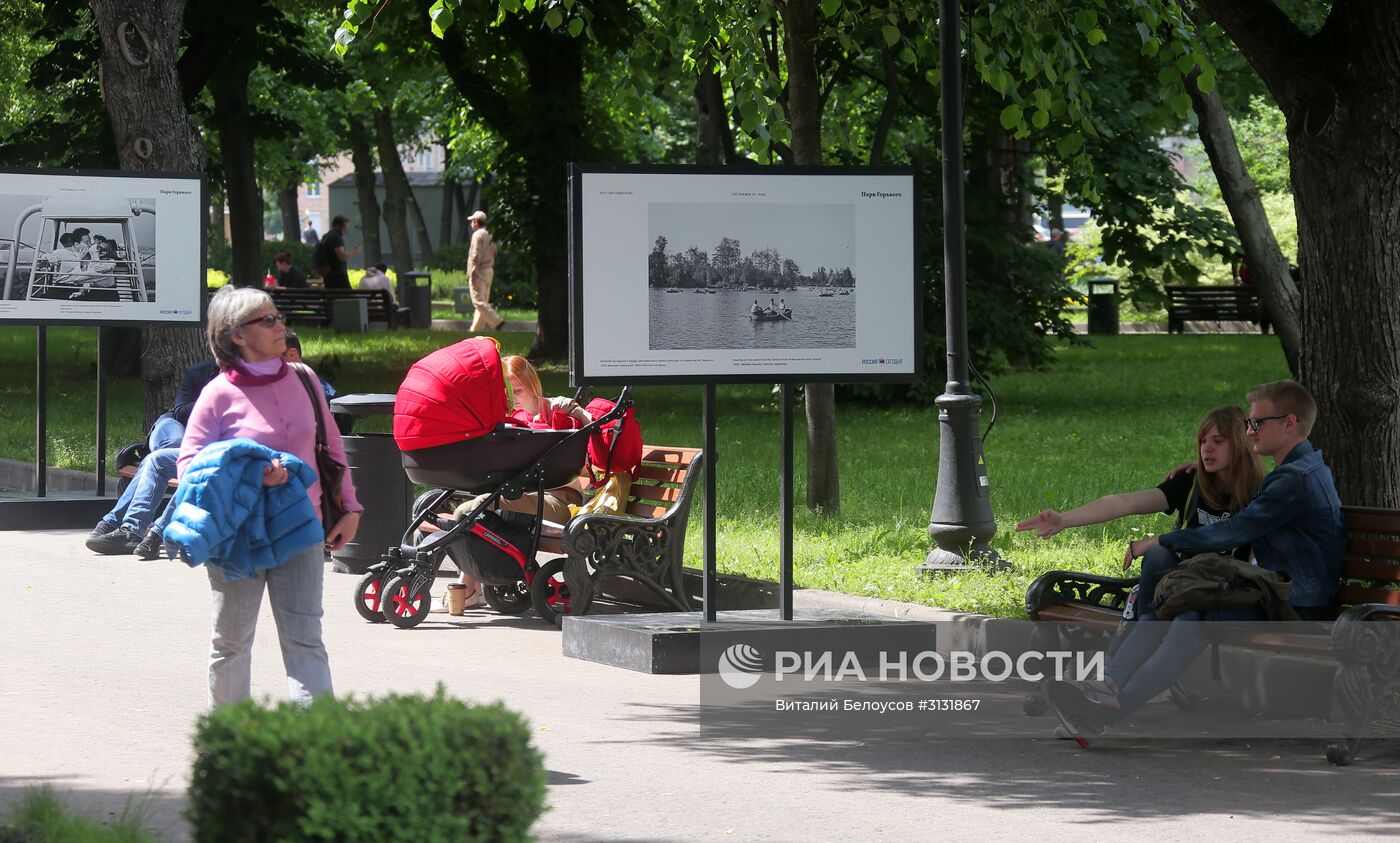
455, 393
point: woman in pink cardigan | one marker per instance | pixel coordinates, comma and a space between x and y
258, 396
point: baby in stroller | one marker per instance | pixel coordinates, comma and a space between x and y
452, 421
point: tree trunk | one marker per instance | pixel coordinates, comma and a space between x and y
555, 70
216, 213
1340, 92
362, 157
245, 200
1346, 187
1054, 205
1267, 264
420, 225
711, 121
553, 85
804, 113
287, 204
882, 126
395, 191
141, 91
450, 188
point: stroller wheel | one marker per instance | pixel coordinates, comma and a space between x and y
548, 593
398, 609
508, 599
367, 594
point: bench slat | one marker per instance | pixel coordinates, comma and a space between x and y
661, 494
1371, 569
1373, 548
1365, 519
641, 509
1351, 594
654, 475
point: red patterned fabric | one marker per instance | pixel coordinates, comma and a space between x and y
455, 393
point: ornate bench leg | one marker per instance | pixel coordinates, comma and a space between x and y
1353, 699
580, 584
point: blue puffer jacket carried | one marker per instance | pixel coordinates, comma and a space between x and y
226, 517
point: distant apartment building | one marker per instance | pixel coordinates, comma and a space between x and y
321, 201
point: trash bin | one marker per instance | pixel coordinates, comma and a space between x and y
416, 293
350, 316
462, 300
380, 484
1103, 306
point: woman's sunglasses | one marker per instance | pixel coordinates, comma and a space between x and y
267, 321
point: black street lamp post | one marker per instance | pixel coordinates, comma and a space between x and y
961, 522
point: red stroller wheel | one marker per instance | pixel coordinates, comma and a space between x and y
367, 594
548, 593
399, 609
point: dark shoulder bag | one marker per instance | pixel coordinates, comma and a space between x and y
328, 470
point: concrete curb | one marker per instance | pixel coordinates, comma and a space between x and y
18, 476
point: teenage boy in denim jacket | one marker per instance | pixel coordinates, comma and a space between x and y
1295, 527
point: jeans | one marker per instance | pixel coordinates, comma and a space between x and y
165, 433
1155, 565
135, 509
1155, 654
141, 496
294, 588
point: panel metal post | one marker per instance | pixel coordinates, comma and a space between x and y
711, 583
41, 416
102, 412
785, 515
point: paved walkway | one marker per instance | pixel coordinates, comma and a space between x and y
103, 675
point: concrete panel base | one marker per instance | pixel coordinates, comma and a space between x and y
677, 642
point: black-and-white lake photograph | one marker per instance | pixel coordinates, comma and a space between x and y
77, 248
760, 275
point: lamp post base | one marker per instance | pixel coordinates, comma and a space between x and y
940, 561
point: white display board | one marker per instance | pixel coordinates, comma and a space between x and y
102, 248
689, 275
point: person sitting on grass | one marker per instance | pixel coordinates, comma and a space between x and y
1226, 477
1295, 527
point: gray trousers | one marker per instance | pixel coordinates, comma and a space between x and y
295, 591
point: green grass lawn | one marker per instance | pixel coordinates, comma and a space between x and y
1106, 418
510, 314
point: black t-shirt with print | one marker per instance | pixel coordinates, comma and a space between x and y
1179, 497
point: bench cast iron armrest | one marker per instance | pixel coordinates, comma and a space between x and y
647, 550
1074, 587
1373, 646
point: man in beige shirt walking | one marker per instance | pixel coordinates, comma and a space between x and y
480, 263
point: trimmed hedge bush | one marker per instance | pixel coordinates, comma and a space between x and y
397, 768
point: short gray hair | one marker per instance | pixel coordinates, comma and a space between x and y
228, 310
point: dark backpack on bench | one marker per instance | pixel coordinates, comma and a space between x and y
1213, 581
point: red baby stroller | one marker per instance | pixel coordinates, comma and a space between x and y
450, 424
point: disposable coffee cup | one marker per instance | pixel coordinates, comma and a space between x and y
456, 598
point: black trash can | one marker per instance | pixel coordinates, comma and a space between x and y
1103, 306
380, 483
416, 293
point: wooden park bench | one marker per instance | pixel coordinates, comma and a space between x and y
647, 545
1214, 304
1366, 651
313, 305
